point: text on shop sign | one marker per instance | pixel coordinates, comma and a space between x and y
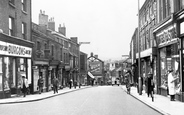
167, 35
14, 50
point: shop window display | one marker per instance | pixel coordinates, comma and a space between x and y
169, 59
21, 69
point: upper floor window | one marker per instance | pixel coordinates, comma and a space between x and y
179, 4
164, 9
12, 2
52, 49
38, 45
61, 54
11, 26
24, 30
24, 7
45, 45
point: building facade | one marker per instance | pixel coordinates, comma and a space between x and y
161, 30
147, 21
83, 68
16, 46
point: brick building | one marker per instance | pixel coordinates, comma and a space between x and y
16, 46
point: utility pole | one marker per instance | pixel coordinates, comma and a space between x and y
139, 60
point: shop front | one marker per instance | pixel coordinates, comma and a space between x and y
147, 64
168, 48
15, 61
40, 68
180, 91
53, 71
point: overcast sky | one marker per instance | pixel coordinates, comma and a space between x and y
107, 24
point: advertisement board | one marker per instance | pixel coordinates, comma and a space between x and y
95, 67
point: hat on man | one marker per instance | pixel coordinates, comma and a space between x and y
170, 70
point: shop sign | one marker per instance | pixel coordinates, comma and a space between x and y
166, 35
14, 50
95, 67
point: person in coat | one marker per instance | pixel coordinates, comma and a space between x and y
150, 84
70, 83
55, 83
40, 84
171, 85
24, 85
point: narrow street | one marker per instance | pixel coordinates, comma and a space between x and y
101, 100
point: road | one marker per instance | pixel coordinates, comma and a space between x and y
101, 100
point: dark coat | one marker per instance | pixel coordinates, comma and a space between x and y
40, 82
55, 82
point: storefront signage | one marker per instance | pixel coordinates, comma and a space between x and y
166, 35
14, 50
95, 67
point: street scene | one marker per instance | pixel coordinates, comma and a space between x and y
102, 100
91, 57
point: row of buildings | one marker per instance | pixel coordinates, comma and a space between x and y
160, 35
35, 50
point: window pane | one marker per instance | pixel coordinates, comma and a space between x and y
10, 23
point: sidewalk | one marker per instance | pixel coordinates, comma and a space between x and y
37, 97
161, 104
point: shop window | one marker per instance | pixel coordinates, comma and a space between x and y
6, 73
169, 58
21, 69
163, 67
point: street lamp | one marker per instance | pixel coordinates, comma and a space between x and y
139, 60
80, 43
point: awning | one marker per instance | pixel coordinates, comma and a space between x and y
91, 75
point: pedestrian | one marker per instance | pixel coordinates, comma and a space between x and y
150, 85
75, 84
55, 83
24, 85
40, 84
70, 83
171, 84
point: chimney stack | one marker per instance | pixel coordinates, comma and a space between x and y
43, 19
62, 30
51, 24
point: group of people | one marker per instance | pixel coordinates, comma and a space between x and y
24, 87
170, 83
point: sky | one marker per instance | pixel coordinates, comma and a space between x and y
107, 24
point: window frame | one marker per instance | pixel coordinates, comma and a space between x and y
24, 30
11, 30
24, 7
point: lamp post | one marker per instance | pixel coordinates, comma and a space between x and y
80, 43
139, 60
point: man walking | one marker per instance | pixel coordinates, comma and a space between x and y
40, 84
55, 84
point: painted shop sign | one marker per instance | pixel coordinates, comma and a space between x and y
14, 50
95, 67
166, 35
